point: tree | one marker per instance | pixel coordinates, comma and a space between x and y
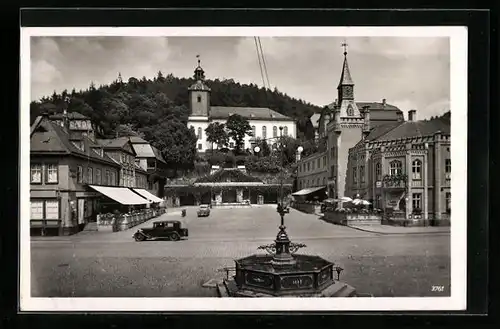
238, 127
216, 133
126, 130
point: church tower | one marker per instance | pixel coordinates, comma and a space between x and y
346, 133
199, 94
199, 106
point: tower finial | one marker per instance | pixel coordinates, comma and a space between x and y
198, 56
344, 44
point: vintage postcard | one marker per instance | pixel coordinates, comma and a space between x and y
220, 169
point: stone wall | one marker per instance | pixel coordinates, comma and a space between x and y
340, 218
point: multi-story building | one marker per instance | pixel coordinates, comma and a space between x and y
342, 124
62, 165
405, 167
122, 152
265, 122
149, 158
312, 171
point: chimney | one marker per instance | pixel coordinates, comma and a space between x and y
400, 116
412, 115
384, 102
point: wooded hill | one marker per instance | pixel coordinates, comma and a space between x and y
157, 109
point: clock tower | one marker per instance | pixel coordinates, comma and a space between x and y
347, 132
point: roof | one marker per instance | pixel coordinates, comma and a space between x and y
70, 115
199, 85
252, 113
54, 139
158, 154
409, 129
137, 140
345, 77
315, 119
112, 143
143, 150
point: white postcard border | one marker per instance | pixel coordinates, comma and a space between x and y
458, 97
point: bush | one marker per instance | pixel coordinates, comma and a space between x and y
263, 164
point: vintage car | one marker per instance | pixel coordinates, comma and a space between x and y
204, 211
168, 229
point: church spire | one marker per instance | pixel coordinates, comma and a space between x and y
345, 77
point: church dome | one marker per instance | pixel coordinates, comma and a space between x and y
199, 85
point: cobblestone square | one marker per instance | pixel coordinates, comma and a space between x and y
99, 264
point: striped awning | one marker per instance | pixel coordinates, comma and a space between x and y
121, 195
309, 190
150, 196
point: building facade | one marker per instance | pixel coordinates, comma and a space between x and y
405, 168
61, 167
343, 124
312, 171
265, 122
122, 152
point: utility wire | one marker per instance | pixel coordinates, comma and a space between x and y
260, 63
264, 62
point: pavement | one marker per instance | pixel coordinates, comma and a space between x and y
107, 264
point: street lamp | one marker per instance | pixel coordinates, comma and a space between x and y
256, 150
300, 149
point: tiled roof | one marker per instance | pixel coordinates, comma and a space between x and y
71, 116
113, 142
56, 140
411, 129
251, 113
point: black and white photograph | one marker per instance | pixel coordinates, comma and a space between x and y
220, 169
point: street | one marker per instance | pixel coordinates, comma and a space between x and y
96, 264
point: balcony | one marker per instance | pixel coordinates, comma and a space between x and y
417, 183
398, 181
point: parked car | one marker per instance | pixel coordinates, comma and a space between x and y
168, 229
204, 210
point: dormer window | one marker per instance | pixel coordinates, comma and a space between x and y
198, 99
78, 145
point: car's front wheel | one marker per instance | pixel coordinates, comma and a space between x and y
175, 237
139, 237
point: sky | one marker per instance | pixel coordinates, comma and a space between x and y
409, 72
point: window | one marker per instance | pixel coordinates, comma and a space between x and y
318, 165
264, 132
113, 178
98, 180
200, 146
107, 178
90, 175
198, 99
317, 181
253, 131
324, 180
308, 166
312, 164
324, 161
275, 131
416, 169
36, 173
416, 201
199, 133
378, 171
355, 175
447, 168
52, 209
395, 168
36, 210
79, 177
362, 174
350, 110
333, 152
285, 131
52, 173
448, 202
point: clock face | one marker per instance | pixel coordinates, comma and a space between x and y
348, 92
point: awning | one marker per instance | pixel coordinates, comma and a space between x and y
307, 191
151, 197
120, 194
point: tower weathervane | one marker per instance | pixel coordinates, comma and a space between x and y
198, 56
344, 44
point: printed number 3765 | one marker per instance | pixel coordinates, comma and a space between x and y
438, 288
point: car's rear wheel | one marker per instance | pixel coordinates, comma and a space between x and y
175, 237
